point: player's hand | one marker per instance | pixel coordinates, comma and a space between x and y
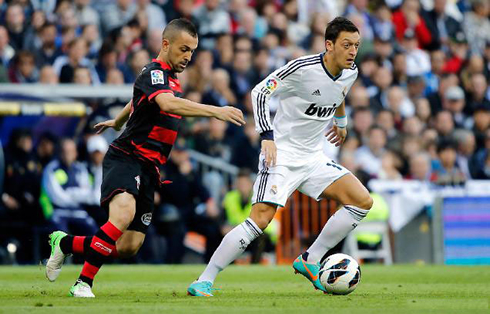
336, 135
102, 126
230, 114
269, 150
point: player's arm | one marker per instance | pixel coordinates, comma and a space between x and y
337, 134
184, 107
117, 122
261, 94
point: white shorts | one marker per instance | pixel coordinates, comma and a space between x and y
276, 184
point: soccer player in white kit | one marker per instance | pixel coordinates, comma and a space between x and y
311, 91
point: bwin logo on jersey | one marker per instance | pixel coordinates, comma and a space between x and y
321, 112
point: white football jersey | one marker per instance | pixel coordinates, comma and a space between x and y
309, 96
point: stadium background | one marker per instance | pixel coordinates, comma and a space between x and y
419, 118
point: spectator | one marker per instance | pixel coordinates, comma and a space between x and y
137, 61
418, 60
246, 148
477, 26
90, 32
23, 69
15, 24
200, 71
214, 142
369, 156
65, 65
408, 18
444, 123
20, 210
6, 51
383, 78
115, 77
118, 14
45, 149
400, 74
197, 210
82, 76
458, 49
466, 144
154, 41
422, 110
48, 52
415, 87
66, 189
241, 74
440, 25
47, 75
399, 103
85, 14
237, 205
447, 171
436, 98
362, 122
390, 163
420, 168
481, 118
96, 147
108, 61
386, 120
454, 102
211, 21
432, 78
220, 93
359, 7
478, 95
480, 162
154, 14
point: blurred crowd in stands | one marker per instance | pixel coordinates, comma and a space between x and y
419, 110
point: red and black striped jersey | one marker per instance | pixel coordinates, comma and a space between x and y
150, 132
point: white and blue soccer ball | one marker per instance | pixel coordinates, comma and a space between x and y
340, 274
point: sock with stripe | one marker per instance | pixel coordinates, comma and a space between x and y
336, 228
101, 248
232, 246
78, 245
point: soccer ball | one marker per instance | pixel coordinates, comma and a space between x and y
340, 274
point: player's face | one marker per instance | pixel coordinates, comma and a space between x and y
345, 49
180, 51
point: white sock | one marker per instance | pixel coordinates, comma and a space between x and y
232, 246
336, 228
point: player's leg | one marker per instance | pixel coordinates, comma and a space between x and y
233, 245
356, 201
129, 243
122, 209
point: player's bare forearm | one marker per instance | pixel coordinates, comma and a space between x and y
340, 112
117, 122
184, 107
123, 115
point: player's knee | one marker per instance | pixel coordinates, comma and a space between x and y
122, 210
262, 216
366, 202
129, 249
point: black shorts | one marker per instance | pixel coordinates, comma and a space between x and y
125, 173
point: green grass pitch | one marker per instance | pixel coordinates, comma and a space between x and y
248, 289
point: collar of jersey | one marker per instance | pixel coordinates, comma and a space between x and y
164, 65
334, 78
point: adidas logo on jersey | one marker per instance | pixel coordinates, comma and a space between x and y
316, 93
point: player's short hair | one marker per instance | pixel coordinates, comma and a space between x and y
178, 25
338, 25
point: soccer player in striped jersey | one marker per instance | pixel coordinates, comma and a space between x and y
311, 91
131, 165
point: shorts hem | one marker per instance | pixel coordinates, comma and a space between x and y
269, 202
114, 193
318, 198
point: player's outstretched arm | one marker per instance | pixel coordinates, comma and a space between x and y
116, 123
184, 107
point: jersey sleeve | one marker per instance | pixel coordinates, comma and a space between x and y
153, 82
276, 83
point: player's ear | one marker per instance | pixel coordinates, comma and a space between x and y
165, 45
329, 45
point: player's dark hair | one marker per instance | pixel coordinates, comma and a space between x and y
181, 24
338, 25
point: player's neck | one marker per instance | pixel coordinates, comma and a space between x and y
163, 57
330, 65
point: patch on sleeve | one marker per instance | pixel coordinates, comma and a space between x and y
157, 77
271, 84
